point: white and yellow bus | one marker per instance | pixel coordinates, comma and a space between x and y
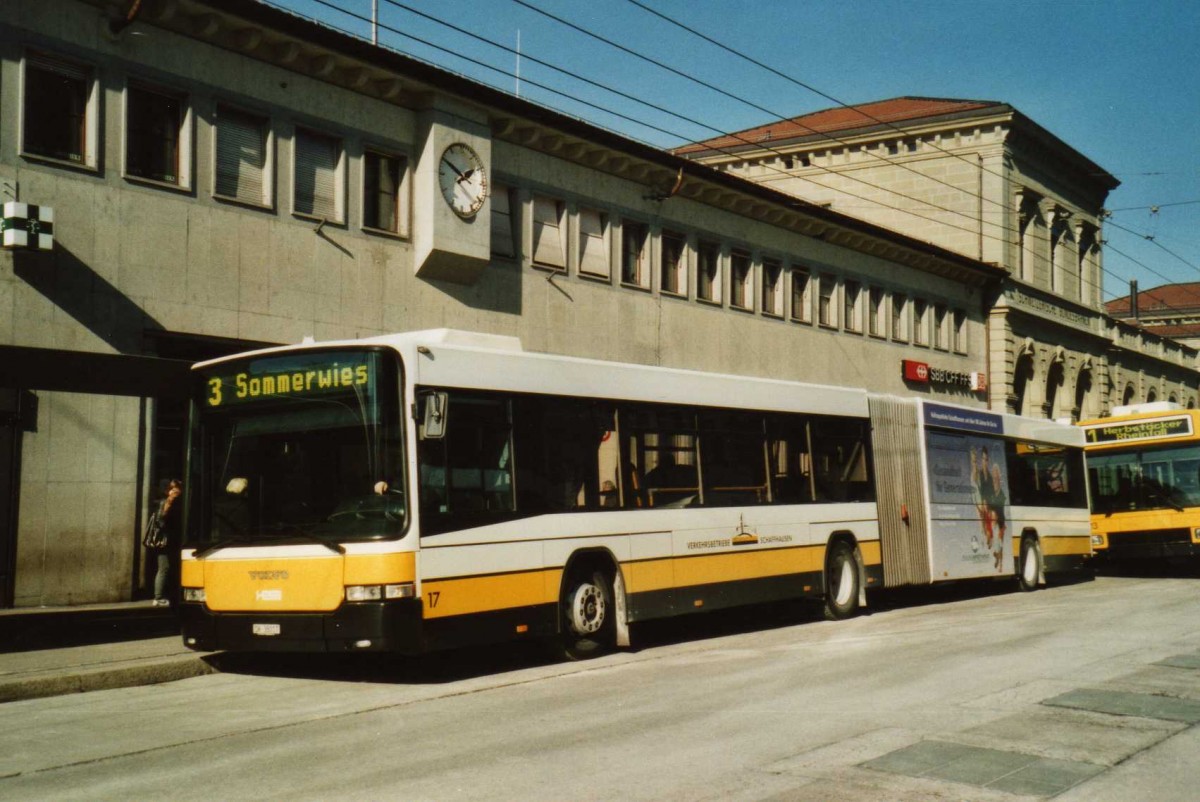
439, 488
1144, 472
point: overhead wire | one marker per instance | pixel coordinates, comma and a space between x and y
792, 79
606, 110
905, 210
501, 46
776, 116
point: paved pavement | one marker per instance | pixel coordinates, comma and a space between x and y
54, 651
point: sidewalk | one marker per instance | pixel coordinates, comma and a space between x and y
53, 651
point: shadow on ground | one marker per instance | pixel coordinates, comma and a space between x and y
496, 659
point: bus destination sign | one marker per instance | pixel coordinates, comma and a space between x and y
286, 381
1134, 431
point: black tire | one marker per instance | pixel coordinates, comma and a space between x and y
841, 582
588, 623
1029, 570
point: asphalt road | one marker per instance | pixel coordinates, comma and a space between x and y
1083, 692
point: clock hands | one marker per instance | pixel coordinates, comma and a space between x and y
457, 171
462, 177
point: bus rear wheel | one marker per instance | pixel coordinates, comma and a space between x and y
841, 582
1030, 569
588, 625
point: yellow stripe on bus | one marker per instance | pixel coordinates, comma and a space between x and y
734, 566
1066, 544
481, 594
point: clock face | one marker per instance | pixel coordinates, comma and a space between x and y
462, 179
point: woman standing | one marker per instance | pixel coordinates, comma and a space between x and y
161, 534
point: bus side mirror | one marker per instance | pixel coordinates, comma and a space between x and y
433, 424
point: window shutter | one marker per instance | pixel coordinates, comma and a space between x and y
593, 256
547, 233
241, 156
316, 175
502, 227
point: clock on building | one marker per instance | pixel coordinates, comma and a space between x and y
463, 179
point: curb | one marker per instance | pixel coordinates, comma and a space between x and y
144, 672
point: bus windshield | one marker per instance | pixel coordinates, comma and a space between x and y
1145, 479
299, 447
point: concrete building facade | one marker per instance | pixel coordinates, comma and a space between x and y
223, 175
982, 179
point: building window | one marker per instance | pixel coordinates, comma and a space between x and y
875, 322
385, 192
157, 144
939, 327
826, 309
708, 272
851, 296
635, 254
772, 292
59, 111
319, 175
920, 329
593, 243
899, 317
549, 233
960, 332
504, 221
740, 276
672, 278
801, 295
243, 157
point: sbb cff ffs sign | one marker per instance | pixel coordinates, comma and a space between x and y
923, 373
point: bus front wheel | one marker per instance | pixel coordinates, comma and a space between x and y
841, 582
1030, 569
589, 623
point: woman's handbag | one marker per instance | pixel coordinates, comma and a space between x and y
155, 537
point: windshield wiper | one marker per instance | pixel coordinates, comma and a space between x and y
297, 535
220, 544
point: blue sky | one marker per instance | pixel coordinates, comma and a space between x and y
1117, 80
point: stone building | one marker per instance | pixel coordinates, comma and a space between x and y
981, 179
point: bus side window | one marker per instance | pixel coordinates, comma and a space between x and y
732, 446
790, 461
468, 475
556, 443
661, 468
841, 459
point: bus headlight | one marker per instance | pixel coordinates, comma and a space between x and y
362, 593
404, 590
1196, 534
1097, 540
193, 595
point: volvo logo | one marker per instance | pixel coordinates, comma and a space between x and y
268, 575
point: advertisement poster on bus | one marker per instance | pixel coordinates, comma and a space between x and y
968, 488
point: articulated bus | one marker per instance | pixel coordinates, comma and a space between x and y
1144, 473
441, 488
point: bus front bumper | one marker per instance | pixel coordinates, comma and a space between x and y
1163, 543
391, 626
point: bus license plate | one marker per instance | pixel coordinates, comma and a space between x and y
265, 629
